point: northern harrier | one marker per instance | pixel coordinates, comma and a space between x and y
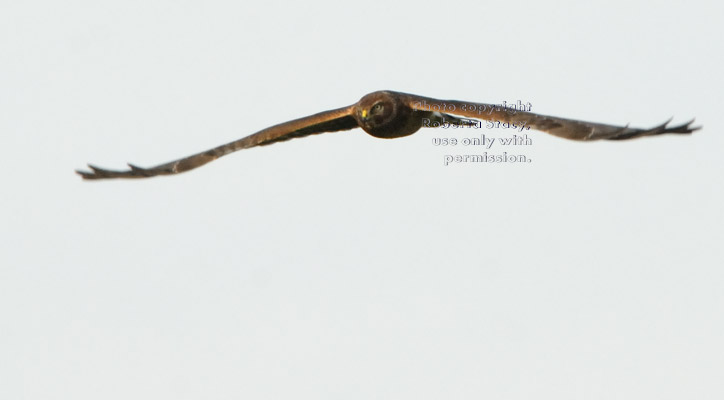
387, 114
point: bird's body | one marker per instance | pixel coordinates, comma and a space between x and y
388, 114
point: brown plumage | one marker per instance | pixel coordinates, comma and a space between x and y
387, 114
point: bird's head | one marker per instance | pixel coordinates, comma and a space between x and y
376, 109
385, 114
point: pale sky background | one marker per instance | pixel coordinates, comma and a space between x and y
342, 266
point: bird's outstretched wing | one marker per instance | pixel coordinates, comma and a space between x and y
562, 127
326, 121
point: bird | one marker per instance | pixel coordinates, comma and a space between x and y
388, 114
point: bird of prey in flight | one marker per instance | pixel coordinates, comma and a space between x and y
387, 114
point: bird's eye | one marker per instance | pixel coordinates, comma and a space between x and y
377, 108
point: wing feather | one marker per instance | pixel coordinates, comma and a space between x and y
326, 121
561, 127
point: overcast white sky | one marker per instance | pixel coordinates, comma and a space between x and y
341, 266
